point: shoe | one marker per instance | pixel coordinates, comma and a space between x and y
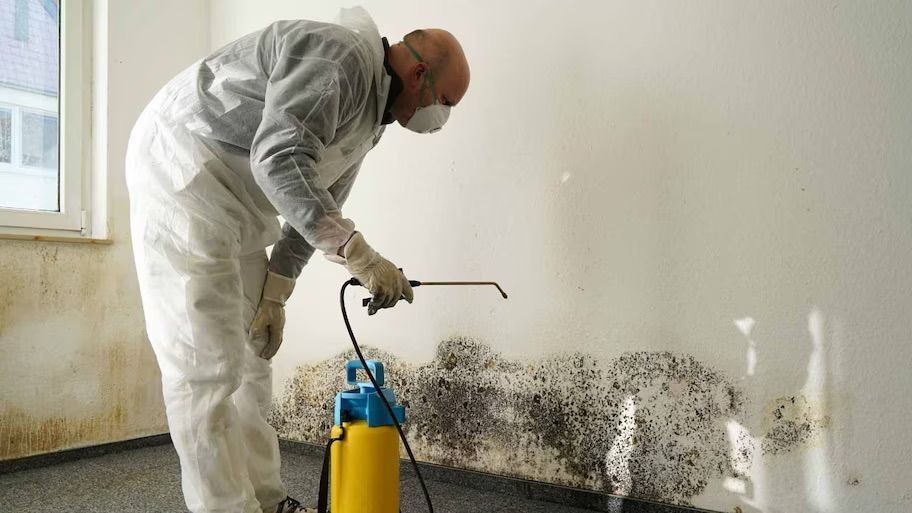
290, 505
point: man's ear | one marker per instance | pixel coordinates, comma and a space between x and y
416, 77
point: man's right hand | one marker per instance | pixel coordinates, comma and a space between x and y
269, 322
386, 283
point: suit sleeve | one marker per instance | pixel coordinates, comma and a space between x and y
308, 98
292, 252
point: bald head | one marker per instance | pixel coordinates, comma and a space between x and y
441, 63
442, 51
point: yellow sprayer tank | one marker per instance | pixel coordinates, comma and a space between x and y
364, 457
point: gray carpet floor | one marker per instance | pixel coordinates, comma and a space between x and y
147, 480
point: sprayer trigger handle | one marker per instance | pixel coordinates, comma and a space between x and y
413, 283
366, 301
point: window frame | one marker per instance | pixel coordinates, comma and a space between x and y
73, 137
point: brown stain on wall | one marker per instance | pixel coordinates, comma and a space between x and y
115, 413
645, 424
71, 330
24, 435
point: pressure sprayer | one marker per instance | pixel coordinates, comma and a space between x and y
362, 455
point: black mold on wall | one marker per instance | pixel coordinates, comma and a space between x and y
792, 422
645, 424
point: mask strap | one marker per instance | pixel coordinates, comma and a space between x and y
414, 52
428, 76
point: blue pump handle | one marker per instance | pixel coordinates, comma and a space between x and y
351, 372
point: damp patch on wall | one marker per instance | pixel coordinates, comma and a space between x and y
76, 368
117, 411
644, 424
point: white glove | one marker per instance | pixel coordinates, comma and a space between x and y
385, 282
269, 321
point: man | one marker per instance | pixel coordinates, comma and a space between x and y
276, 123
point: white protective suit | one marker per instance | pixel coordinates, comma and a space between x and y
276, 123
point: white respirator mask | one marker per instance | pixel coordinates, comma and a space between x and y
427, 120
430, 118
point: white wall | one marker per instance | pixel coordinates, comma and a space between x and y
729, 181
75, 366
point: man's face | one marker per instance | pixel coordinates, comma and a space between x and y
423, 86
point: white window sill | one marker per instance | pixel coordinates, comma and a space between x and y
32, 234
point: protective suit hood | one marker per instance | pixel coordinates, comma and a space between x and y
360, 22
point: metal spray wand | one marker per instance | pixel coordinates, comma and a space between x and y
415, 283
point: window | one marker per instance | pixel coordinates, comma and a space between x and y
42, 130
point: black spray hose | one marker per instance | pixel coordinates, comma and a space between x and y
389, 408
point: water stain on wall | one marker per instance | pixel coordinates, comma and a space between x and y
645, 424
120, 410
74, 360
22, 434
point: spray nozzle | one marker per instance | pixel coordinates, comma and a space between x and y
415, 283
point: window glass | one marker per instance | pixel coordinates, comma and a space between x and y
6, 136
29, 94
39, 140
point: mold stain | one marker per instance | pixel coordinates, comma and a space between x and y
644, 424
71, 329
791, 421
122, 408
23, 435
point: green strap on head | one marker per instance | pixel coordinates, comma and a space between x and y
418, 58
415, 53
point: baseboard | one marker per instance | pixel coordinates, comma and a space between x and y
535, 490
94, 451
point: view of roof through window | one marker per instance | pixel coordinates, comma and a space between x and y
29, 90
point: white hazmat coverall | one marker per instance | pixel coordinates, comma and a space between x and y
275, 123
